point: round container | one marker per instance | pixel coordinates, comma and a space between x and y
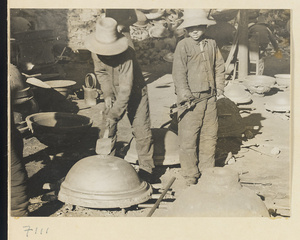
237, 94
103, 181
278, 103
61, 86
259, 84
283, 80
57, 128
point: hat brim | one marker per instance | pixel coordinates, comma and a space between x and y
106, 49
195, 22
140, 24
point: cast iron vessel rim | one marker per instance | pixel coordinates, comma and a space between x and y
144, 186
283, 75
278, 108
243, 99
255, 79
98, 203
68, 83
30, 118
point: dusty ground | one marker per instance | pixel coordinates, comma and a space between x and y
265, 173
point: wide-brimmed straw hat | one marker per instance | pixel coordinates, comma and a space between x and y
106, 40
195, 17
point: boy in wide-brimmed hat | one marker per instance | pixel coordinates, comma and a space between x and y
198, 74
124, 88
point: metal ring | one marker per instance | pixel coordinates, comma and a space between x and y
87, 80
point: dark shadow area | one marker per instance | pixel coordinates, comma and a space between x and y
163, 86
254, 120
49, 100
58, 161
274, 65
37, 157
252, 126
273, 91
225, 146
47, 209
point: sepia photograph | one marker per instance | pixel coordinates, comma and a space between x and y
149, 112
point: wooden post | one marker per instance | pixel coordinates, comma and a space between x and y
243, 44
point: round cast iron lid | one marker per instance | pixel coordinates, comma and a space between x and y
103, 181
278, 103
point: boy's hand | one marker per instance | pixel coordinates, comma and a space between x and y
120, 28
220, 96
189, 104
108, 102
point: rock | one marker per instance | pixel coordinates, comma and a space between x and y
275, 151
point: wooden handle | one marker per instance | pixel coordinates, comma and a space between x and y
161, 197
106, 133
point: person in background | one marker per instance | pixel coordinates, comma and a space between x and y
18, 174
198, 75
260, 32
264, 35
125, 18
124, 88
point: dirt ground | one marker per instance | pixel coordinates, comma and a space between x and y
266, 172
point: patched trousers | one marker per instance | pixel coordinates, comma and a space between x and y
197, 132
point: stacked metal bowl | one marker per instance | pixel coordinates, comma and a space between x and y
259, 84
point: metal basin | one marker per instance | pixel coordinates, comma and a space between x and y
283, 80
278, 103
58, 129
237, 94
61, 86
259, 84
103, 181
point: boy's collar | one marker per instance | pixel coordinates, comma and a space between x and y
203, 39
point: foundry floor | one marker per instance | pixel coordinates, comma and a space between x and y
267, 174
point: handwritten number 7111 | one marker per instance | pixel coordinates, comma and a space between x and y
35, 231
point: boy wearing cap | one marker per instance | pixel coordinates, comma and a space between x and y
123, 87
198, 74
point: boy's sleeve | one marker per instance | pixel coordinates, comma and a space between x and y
179, 74
102, 77
126, 76
219, 72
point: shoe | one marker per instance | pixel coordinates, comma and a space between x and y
146, 176
191, 181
